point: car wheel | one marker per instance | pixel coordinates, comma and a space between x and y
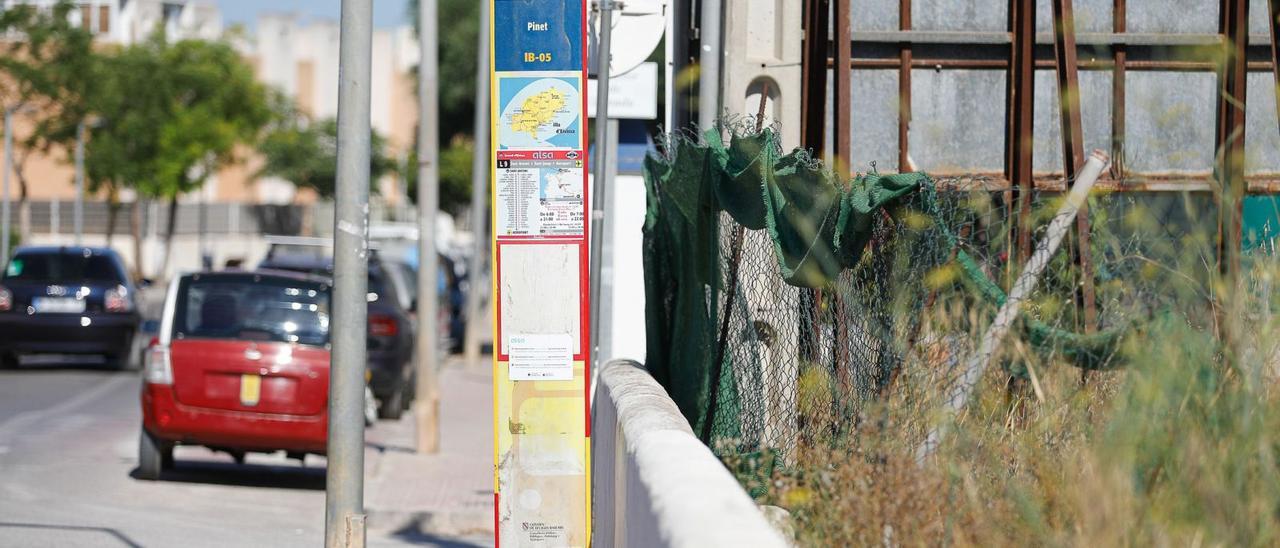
8, 360
154, 456
392, 407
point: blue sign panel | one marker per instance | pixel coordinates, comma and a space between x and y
537, 35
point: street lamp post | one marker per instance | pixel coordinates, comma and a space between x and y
479, 196
78, 213
600, 166
344, 482
8, 166
426, 403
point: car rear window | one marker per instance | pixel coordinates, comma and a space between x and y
256, 308
62, 267
378, 284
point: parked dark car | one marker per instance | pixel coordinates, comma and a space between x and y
450, 296
67, 300
240, 364
391, 329
452, 305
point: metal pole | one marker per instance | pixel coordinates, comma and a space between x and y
8, 166
202, 242
344, 501
1022, 289
426, 404
600, 178
479, 195
709, 61
78, 214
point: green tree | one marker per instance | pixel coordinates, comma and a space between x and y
455, 175
171, 115
459, 31
46, 72
306, 154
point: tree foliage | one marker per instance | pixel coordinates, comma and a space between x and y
306, 154
48, 66
171, 114
455, 175
458, 32
46, 71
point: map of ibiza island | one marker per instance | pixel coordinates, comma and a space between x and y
539, 113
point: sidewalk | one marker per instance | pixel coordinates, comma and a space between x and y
443, 497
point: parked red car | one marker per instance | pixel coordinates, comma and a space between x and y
240, 364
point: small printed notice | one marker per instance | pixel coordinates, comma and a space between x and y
543, 534
539, 197
540, 357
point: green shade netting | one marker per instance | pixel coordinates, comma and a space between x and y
819, 224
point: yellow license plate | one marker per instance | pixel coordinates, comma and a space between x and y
250, 389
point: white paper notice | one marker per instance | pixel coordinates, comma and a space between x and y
540, 357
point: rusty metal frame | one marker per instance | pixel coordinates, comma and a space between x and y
1273, 10
1064, 52
1119, 14
1163, 65
1129, 52
1230, 132
842, 80
1020, 114
813, 83
904, 89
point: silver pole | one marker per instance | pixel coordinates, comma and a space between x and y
8, 166
601, 183
1022, 288
426, 403
479, 195
709, 65
344, 501
78, 214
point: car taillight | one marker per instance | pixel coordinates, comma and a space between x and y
116, 299
6, 299
156, 368
383, 326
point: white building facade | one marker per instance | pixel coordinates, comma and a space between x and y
131, 21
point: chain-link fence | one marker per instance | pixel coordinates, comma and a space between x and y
782, 334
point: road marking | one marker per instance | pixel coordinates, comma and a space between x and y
26, 418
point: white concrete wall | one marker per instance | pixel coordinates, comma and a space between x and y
622, 329
762, 42
654, 483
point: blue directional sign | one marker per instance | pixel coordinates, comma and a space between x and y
537, 35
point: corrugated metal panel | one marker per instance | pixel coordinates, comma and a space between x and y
1173, 16
1261, 138
1095, 112
957, 120
958, 15
1169, 121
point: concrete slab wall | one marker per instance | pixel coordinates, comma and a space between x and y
654, 483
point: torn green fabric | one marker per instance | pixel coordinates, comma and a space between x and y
819, 225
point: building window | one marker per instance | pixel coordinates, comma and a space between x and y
99, 25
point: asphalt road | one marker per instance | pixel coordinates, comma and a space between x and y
68, 448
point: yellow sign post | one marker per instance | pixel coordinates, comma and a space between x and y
540, 255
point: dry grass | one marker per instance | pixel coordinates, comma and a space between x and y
1179, 448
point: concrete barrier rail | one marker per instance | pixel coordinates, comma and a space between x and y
654, 483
